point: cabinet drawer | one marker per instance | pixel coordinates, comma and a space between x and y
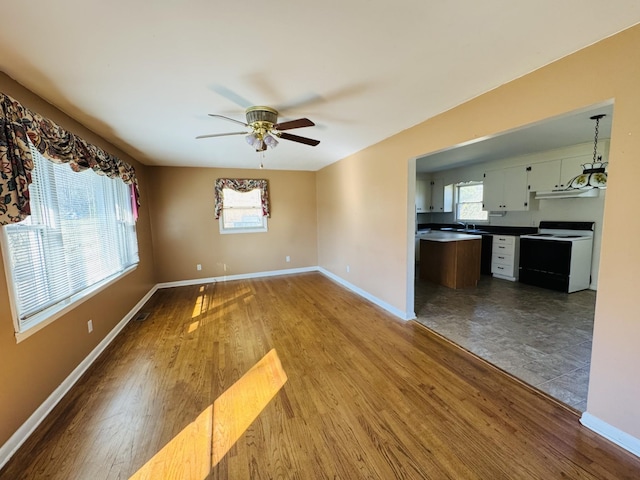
502, 269
502, 259
503, 240
503, 249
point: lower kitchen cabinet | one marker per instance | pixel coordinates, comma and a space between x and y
505, 257
454, 264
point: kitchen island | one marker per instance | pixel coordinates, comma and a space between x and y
450, 259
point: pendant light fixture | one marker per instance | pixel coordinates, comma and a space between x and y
593, 174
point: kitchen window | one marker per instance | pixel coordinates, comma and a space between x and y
79, 238
469, 202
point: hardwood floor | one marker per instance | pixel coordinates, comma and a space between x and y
363, 395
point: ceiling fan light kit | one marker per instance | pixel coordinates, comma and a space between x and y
263, 127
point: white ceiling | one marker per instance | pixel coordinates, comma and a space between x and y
144, 75
569, 129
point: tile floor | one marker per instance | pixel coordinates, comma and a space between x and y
541, 336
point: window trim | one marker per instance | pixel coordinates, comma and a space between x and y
227, 231
54, 312
24, 327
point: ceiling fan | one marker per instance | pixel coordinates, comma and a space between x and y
262, 128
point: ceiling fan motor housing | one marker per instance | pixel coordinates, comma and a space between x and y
262, 114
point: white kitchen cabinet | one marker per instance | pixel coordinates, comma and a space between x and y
506, 190
441, 196
571, 167
556, 174
545, 176
423, 196
505, 259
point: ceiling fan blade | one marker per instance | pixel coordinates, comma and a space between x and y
227, 118
299, 123
296, 138
221, 134
231, 95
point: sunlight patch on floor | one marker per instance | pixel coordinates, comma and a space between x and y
203, 443
187, 455
240, 405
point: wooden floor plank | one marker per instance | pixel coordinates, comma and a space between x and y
367, 396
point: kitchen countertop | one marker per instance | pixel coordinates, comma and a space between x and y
484, 229
438, 236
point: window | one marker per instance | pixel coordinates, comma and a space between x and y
80, 237
469, 202
242, 211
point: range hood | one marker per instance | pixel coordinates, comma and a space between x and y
574, 193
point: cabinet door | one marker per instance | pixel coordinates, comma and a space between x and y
544, 177
516, 194
572, 167
423, 196
437, 195
493, 190
441, 196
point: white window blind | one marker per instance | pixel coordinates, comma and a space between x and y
80, 235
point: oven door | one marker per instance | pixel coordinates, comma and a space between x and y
545, 263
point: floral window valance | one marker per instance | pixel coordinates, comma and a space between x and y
241, 185
18, 126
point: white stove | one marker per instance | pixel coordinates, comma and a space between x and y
558, 256
563, 231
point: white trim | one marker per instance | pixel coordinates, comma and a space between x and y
225, 231
56, 311
242, 276
199, 281
27, 428
410, 245
381, 303
617, 436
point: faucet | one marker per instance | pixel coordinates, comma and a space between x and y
464, 225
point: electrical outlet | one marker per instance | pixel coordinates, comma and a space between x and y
348, 268
198, 267
288, 258
90, 326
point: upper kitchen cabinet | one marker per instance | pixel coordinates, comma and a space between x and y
506, 190
441, 196
556, 174
423, 196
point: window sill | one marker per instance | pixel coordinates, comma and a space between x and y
53, 313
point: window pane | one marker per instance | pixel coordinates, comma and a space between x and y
471, 211
242, 211
469, 206
470, 193
81, 232
242, 218
231, 198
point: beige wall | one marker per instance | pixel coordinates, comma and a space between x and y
32, 369
367, 225
185, 232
